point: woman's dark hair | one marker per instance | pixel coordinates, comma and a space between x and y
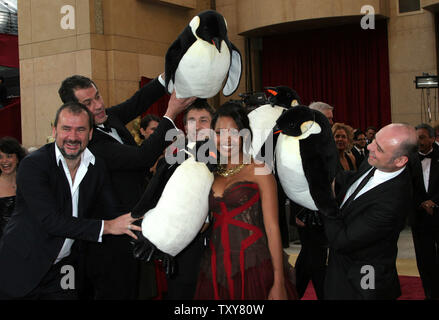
10, 145
238, 114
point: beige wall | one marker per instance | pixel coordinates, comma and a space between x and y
255, 14
412, 51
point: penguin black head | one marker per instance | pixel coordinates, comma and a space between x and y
211, 27
283, 96
298, 121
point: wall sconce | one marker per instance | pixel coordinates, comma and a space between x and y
427, 82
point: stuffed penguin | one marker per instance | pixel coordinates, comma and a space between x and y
306, 158
176, 204
263, 119
201, 58
283, 96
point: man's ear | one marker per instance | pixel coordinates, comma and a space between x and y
401, 161
90, 134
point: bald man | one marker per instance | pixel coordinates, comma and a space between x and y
363, 235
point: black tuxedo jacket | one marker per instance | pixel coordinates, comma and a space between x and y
358, 157
419, 217
43, 219
127, 163
365, 233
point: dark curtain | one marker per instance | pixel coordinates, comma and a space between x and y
9, 50
10, 120
159, 107
346, 67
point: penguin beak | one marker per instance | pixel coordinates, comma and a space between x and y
217, 43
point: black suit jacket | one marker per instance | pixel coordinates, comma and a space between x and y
366, 233
358, 157
127, 163
43, 219
420, 218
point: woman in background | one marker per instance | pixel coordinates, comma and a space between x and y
344, 135
245, 259
11, 153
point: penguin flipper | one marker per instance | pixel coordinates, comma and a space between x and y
235, 72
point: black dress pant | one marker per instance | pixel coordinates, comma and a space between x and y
311, 262
426, 242
183, 283
112, 272
54, 285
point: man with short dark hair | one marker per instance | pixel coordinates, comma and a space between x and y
370, 134
127, 164
425, 218
59, 189
359, 149
147, 126
363, 233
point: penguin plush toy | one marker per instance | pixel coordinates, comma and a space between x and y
307, 158
202, 58
175, 204
263, 119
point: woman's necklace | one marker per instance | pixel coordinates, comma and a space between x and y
224, 172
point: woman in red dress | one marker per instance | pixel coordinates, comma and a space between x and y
245, 259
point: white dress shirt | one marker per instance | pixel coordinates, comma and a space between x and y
86, 158
426, 165
378, 178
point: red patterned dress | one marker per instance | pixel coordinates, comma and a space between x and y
237, 265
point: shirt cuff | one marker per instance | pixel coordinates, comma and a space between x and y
162, 81
171, 122
101, 232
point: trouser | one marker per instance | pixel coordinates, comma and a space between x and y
311, 262
58, 283
426, 242
182, 284
113, 273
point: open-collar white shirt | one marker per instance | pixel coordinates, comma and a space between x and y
87, 158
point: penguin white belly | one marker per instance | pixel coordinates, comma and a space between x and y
262, 121
202, 70
182, 208
290, 171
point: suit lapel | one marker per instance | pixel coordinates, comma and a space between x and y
61, 182
124, 134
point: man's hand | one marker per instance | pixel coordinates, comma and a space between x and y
175, 105
121, 225
428, 206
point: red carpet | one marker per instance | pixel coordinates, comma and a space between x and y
411, 289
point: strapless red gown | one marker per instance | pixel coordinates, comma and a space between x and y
237, 264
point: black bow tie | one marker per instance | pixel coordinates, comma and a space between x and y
106, 127
423, 156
